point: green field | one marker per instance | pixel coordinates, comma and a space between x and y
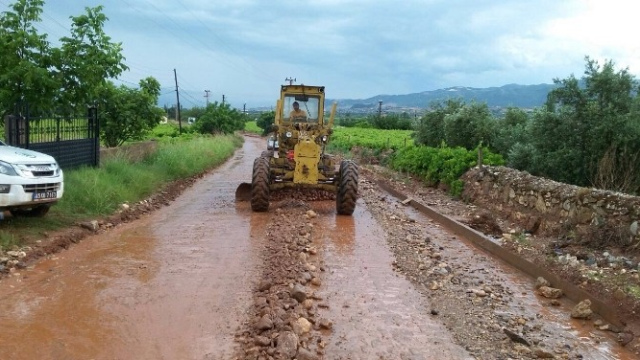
346, 138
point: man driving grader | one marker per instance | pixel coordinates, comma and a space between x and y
301, 161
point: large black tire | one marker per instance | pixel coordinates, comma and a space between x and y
347, 188
260, 185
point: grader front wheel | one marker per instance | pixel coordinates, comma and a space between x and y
260, 185
347, 188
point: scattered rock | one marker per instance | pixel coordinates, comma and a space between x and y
549, 292
265, 323
540, 282
582, 310
543, 354
299, 293
515, 337
301, 326
262, 341
287, 344
90, 225
325, 324
625, 338
264, 285
304, 354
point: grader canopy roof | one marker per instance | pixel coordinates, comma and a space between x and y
309, 98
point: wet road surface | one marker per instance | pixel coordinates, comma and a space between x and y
173, 285
177, 284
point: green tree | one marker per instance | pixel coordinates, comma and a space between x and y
470, 125
265, 120
24, 59
220, 118
430, 129
128, 114
585, 121
86, 59
511, 130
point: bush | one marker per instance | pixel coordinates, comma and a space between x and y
440, 165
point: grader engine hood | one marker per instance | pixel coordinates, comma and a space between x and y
306, 157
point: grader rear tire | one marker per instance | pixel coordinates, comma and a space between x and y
260, 185
347, 188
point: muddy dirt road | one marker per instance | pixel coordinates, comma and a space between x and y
205, 278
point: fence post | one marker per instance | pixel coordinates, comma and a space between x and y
94, 126
480, 155
8, 129
15, 133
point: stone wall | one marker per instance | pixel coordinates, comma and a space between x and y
547, 207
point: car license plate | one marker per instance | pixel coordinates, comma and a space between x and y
41, 195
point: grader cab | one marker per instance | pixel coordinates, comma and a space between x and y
300, 161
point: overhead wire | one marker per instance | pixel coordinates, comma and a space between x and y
221, 40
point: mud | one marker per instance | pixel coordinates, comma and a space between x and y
203, 277
173, 285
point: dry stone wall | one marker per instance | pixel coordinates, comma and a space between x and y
547, 207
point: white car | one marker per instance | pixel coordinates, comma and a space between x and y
30, 181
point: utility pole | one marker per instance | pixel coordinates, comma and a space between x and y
244, 108
175, 75
379, 109
290, 80
222, 99
206, 96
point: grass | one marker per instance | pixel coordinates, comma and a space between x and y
252, 127
634, 290
96, 192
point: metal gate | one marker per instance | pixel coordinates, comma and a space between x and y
72, 141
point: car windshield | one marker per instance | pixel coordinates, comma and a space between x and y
308, 108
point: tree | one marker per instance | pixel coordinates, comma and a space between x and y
128, 114
220, 118
511, 130
469, 126
24, 59
86, 59
265, 120
586, 121
430, 129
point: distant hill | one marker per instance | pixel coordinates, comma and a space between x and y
522, 96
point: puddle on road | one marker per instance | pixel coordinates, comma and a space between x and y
376, 314
173, 285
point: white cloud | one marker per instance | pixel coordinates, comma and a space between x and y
360, 48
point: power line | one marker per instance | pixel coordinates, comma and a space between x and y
251, 67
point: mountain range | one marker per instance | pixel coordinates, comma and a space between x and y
522, 96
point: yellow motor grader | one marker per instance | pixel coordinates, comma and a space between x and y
300, 161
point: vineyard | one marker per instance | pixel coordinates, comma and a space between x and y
346, 138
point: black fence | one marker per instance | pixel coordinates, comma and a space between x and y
72, 141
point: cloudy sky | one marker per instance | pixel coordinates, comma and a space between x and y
245, 49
